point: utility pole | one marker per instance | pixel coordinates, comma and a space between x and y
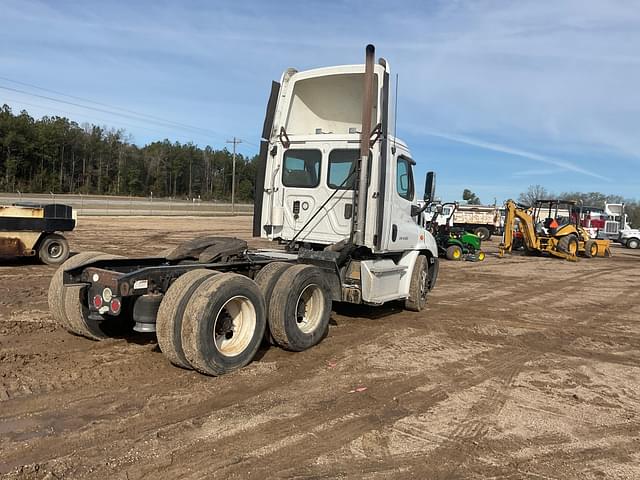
235, 142
190, 177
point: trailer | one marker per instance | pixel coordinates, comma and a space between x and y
28, 230
335, 189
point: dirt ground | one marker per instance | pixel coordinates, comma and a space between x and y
519, 368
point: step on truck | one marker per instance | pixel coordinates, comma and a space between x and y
333, 187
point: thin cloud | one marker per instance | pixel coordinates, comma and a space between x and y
537, 172
495, 147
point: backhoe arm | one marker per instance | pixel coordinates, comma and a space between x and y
527, 228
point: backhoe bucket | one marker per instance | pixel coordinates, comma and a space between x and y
604, 248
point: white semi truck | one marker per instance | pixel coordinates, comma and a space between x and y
617, 227
333, 186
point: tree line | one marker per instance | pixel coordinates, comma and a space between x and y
55, 154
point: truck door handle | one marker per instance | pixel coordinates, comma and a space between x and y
394, 232
347, 211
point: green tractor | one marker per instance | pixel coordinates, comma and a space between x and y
454, 243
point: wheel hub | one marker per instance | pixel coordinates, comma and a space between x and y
55, 250
310, 308
234, 326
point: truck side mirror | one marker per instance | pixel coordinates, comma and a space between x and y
429, 187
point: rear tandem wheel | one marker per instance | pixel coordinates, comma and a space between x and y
223, 324
171, 313
300, 308
69, 305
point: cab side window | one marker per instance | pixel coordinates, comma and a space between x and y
301, 168
404, 178
342, 168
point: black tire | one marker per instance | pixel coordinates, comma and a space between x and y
55, 295
207, 336
419, 286
75, 305
590, 249
53, 249
300, 287
171, 312
568, 244
76, 310
483, 232
633, 243
454, 252
266, 280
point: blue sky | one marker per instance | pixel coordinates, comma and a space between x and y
493, 95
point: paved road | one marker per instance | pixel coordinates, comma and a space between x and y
108, 205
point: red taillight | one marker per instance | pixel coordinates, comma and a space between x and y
97, 301
115, 305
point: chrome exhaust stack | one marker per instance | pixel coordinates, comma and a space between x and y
365, 134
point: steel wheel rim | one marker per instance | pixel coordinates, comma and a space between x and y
55, 249
234, 326
424, 277
310, 308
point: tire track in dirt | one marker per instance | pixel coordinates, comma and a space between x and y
154, 420
351, 421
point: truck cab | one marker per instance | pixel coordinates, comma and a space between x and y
310, 171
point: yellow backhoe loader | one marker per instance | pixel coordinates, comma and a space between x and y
550, 227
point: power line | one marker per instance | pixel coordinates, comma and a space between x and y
131, 114
102, 110
113, 107
94, 119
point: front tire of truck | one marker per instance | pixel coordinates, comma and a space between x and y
53, 249
300, 308
223, 324
419, 286
57, 296
171, 313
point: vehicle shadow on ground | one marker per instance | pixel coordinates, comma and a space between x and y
19, 261
366, 312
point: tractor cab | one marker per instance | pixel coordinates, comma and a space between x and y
555, 218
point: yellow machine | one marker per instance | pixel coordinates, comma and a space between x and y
29, 230
550, 227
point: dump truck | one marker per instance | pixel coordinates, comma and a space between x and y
28, 230
334, 188
483, 220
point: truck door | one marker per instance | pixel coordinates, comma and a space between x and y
404, 231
